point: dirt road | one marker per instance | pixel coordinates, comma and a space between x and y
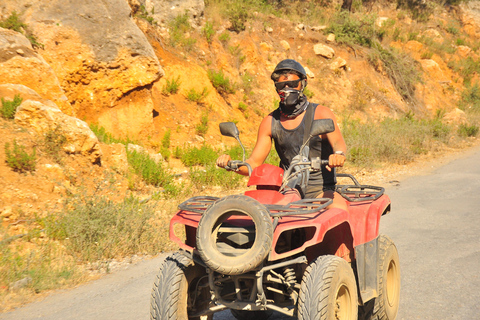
435, 223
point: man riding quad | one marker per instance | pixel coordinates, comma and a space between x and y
288, 127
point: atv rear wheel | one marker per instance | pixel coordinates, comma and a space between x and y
328, 291
251, 315
385, 306
169, 299
235, 246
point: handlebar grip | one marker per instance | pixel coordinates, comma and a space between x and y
324, 162
232, 165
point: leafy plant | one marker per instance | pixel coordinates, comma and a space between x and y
145, 15
151, 172
194, 156
94, 227
53, 143
401, 69
10, 107
14, 23
172, 86
242, 106
165, 149
208, 31
220, 81
19, 159
193, 95
179, 27
202, 128
465, 130
224, 37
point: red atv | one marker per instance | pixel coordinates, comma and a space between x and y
269, 250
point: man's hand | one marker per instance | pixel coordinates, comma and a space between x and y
222, 161
335, 160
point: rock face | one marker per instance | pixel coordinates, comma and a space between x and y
42, 118
164, 11
98, 54
19, 64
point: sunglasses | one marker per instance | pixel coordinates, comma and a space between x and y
290, 84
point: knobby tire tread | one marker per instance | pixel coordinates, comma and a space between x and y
166, 293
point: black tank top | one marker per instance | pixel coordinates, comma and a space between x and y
288, 143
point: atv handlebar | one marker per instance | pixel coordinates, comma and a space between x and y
234, 165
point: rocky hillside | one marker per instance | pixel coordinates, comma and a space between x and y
142, 69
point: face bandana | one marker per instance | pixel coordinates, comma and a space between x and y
292, 102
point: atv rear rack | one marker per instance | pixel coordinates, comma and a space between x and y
360, 192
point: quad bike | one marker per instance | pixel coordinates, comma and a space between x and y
269, 250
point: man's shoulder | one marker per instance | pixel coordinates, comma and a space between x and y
322, 112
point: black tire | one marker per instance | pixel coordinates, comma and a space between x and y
251, 315
385, 306
170, 290
211, 221
328, 291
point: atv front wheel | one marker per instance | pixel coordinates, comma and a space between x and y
385, 306
169, 299
328, 291
234, 235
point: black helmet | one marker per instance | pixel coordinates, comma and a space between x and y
288, 64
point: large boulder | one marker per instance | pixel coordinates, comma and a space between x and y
42, 118
98, 53
20, 64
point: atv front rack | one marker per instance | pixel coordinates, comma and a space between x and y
358, 192
305, 206
197, 204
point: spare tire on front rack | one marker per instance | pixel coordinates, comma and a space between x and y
234, 235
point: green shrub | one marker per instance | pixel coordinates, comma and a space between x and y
178, 28
53, 143
220, 81
401, 69
14, 23
194, 156
202, 128
108, 138
209, 32
352, 29
18, 159
10, 107
166, 139
145, 15
193, 95
224, 37
151, 172
238, 14
465, 130
308, 93
172, 86
392, 140
470, 99
94, 227
242, 106
213, 176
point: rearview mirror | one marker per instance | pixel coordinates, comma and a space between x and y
229, 129
322, 126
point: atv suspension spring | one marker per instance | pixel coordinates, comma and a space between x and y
289, 275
